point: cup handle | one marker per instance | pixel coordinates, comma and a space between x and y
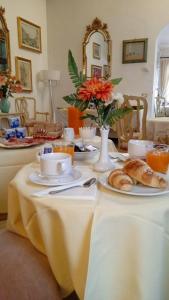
60, 167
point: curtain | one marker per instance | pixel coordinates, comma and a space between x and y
164, 78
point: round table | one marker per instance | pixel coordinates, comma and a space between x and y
11, 160
110, 247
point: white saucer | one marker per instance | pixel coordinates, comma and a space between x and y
37, 178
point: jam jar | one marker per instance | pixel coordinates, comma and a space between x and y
158, 158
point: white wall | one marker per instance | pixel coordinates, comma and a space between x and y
129, 19
34, 11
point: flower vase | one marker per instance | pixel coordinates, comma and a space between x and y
104, 163
5, 105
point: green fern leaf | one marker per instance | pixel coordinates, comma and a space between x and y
116, 81
76, 78
117, 114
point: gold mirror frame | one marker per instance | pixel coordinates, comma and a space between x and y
97, 26
4, 36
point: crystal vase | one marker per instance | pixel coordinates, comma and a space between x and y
104, 163
5, 105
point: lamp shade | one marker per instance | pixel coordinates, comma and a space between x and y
49, 75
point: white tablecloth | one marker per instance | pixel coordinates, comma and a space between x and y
112, 248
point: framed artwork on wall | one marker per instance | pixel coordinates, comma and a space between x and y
106, 71
96, 51
29, 35
135, 51
96, 71
24, 73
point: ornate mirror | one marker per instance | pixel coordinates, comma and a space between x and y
5, 59
97, 50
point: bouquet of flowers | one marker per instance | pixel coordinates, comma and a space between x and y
9, 85
95, 93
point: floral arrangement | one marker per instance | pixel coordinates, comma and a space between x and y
95, 93
9, 85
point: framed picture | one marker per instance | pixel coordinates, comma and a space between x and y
96, 51
29, 35
106, 71
135, 51
24, 73
96, 71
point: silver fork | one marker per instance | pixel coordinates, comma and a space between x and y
86, 184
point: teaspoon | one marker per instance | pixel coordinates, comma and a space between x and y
87, 183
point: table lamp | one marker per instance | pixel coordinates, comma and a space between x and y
51, 77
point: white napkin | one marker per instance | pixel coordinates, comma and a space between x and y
73, 193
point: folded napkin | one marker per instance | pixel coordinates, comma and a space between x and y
79, 193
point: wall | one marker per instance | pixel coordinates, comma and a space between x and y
34, 11
129, 19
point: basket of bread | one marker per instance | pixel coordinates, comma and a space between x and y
136, 171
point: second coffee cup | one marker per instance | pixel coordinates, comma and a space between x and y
68, 134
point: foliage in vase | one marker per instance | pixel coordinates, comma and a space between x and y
95, 93
9, 85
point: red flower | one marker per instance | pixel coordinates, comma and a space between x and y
95, 88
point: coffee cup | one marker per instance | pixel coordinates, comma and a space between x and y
55, 164
139, 148
68, 134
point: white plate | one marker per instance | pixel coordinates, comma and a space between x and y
37, 178
137, 190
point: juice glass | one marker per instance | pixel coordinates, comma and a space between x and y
74, 120
158, 158
63, 147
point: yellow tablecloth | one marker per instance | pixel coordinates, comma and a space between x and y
112, 248
11, 160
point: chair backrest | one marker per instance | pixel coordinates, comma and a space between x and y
160, 106
27, 106
133, 123
140, 107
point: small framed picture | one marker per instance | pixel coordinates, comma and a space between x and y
96, 71
24, 73
135, 51
96, 51
106, 71
29, 35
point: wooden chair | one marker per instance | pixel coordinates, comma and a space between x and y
133, 125
30, 117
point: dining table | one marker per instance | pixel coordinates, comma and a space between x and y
100, 242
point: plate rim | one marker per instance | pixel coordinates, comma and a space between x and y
130, 193
74, 171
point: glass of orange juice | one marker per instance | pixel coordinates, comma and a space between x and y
158, 158
63, 147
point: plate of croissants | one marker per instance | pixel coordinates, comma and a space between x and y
136, 178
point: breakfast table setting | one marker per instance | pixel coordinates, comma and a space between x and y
102, 242
100, 216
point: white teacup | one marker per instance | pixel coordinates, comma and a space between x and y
139, 148
55, 164
68, 134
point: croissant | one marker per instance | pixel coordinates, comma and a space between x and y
118, 179
140, 171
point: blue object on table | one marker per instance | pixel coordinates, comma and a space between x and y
20, 132
14, 122
47, 148
9, 133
